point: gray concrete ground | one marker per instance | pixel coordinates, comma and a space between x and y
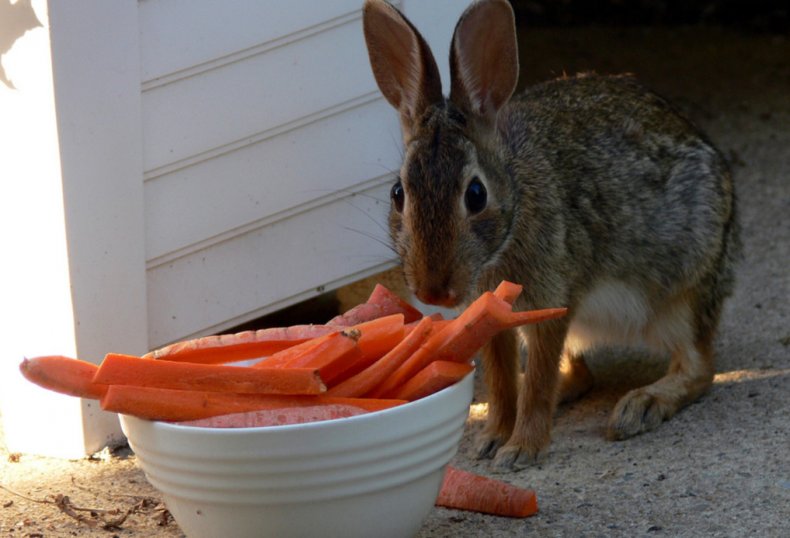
722, 466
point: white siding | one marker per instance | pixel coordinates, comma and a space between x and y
214, 161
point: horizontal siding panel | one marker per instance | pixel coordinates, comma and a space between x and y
179, 34
240, 277
238, 100
212, 197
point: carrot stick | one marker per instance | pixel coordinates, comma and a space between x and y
278, 417
464, 336
119, 369
178, 405
364, 381
383, 296
378, 337
382, 302
333, 353
332, 356
240, 346
508, 291
311, 347
433, 378
64, 375
463, 490
374, 339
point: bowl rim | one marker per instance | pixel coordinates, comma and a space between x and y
307, 426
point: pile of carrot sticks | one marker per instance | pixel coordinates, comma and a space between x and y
380, 354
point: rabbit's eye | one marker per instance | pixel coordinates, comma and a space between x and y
475, 197
397, 195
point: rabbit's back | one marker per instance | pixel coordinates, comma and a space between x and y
643, 196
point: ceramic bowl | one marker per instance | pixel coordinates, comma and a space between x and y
376, 474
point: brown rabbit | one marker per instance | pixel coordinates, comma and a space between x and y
590, 191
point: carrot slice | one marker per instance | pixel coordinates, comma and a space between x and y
65, 375
332, 356
433, 378
178, 405
309, 348
367, 379
378, 336
278, 417
464, 336
375, 338
119, 369
382, 302
463, 490
240, 346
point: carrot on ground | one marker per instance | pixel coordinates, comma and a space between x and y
179, 405
433, 378
366, 380
463, 490
118, 369
64, 375
462, 337
240, 346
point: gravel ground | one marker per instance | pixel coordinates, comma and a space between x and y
719, 468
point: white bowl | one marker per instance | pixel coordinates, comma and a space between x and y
376, 474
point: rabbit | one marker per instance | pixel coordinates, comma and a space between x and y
589, 190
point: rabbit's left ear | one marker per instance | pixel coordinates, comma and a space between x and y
484, 58
402, 63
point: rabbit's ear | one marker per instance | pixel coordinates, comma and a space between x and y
484, 58
402, 63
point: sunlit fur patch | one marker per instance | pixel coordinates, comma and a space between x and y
615, 313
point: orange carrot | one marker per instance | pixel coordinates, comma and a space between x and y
464, 336
378, 336
119, 369
278, 417
375, 338
433, 378
463, 490
382, 302
240, 346
436, 317
282, 359
332, 356
64, 375
367, 379
508, 291
179, 405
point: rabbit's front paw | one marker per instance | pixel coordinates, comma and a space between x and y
487, 443
522, 450
513, 457
636, 412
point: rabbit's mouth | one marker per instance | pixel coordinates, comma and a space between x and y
439, 297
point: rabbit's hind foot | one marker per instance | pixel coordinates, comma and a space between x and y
690, 375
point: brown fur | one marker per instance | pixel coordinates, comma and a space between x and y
597, 196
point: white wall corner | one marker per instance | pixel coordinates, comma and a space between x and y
75, 220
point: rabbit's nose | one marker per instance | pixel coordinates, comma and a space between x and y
438, 296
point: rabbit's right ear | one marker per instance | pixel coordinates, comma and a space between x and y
402, 63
